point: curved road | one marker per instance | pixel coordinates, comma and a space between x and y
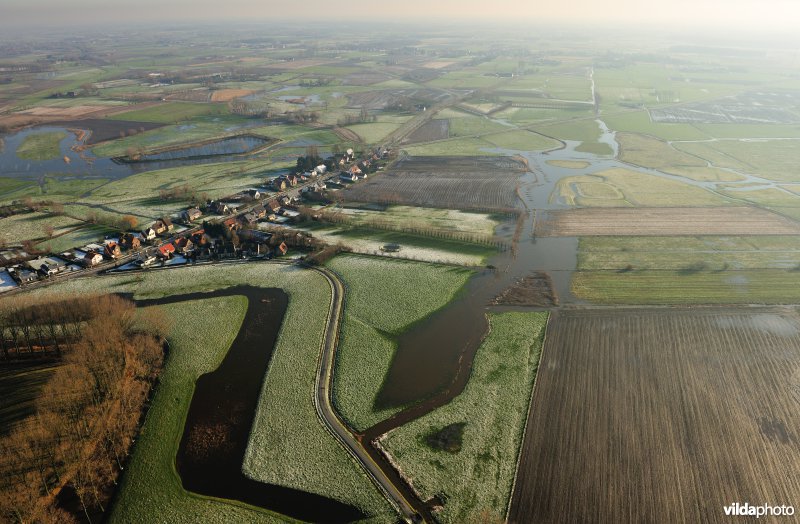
326, 412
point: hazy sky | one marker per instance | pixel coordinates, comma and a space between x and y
747, 14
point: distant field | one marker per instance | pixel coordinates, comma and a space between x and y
626, 187
522, 140
171, 112
649, 152
771, 159
436, 129
467, 183
688, 285
674, 413
664, 222
465, 146
689, 254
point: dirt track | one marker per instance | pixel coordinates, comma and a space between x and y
663, 222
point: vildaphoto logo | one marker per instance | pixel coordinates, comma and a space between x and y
764, 510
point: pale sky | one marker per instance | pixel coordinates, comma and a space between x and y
751, 15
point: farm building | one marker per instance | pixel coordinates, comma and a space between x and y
112, 250
149, 234
92, 258
191, 214
166, 250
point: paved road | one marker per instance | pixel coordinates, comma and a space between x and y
325, 410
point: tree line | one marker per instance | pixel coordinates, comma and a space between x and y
60, 464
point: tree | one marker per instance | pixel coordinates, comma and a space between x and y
129, 222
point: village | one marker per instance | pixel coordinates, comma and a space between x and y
247, 225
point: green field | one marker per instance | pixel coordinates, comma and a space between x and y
477, 479
522, 140
374, 287
290, 447
29, 226
688, 254
41, 146
770, 159
458, 146
585, 131
171, 112
626, 187
76, 238
639, 122
474, 126
375, 132
706, 286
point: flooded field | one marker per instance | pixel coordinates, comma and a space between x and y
74, 160
222, 411
219, 150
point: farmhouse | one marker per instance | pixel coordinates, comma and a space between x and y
273, 205
259, 211
112, 250
191, 214
47, 265
149, 234
280, 184
131, 240
165, 224
166, 250
184, 245
92, 258
348, 177
22, 275
231, 224
248, 219
255, 194
220, 208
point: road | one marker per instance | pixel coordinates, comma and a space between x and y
410, 509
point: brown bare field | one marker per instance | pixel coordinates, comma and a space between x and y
469, 183
25, 119
662, 415
226, 95
65, 112
438, 64
298, 64
436, 129
666, 221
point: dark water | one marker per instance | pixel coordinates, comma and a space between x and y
222, 411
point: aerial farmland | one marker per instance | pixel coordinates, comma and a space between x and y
376, 272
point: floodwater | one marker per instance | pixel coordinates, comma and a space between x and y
433, 359
219, 149
222, 411
85, 165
